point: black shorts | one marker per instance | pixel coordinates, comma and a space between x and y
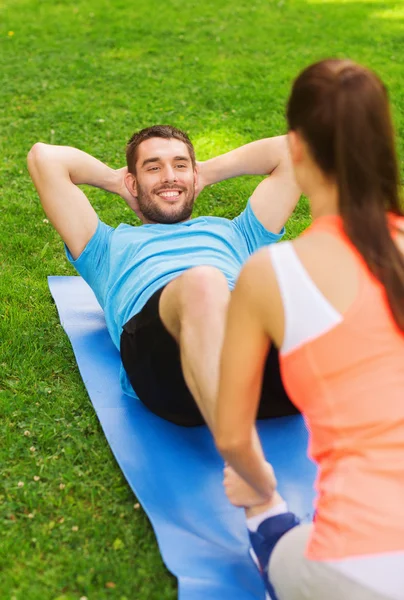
151, 358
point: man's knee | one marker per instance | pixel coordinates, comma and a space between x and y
195, 296
203, 289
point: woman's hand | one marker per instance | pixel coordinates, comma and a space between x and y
241, 494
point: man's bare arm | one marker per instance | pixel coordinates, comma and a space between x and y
257, 158
274, 198
56, 172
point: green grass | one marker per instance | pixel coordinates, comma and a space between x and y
88, 75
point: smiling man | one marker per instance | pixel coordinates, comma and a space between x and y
167, 199
165, 286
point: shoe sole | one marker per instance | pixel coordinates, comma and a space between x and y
257, 564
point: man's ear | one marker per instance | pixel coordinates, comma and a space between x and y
131, 184
131, 198
295, 147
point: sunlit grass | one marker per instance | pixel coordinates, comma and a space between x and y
88, 74
390, 14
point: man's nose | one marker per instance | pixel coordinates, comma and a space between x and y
169, 174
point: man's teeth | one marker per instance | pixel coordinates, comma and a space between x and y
169, 194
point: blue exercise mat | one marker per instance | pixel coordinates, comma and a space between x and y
175, 472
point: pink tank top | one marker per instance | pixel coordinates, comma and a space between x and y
349, 384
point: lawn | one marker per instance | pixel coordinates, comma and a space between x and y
88, 74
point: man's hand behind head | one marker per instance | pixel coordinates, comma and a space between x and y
123, 189
200, 179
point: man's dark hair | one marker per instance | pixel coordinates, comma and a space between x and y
167, 132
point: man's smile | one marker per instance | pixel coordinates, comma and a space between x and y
170, 195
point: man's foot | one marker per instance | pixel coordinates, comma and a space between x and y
258, 513
264, 540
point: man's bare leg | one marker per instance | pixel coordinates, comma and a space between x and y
193, 308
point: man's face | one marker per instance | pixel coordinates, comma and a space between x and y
165, 181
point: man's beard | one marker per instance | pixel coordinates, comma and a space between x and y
155, 213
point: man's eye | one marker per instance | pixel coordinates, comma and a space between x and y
181, 166
153, 169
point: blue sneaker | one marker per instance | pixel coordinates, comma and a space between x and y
264, 540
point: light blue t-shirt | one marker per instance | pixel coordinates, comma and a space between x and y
126, 265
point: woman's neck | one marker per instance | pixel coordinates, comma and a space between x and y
323, 199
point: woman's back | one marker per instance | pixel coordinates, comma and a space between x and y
333, 303
342, 359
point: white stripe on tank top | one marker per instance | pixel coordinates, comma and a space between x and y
308, 314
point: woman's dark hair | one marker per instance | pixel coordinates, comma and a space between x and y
342, 111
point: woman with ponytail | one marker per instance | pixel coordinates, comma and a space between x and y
332, 301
